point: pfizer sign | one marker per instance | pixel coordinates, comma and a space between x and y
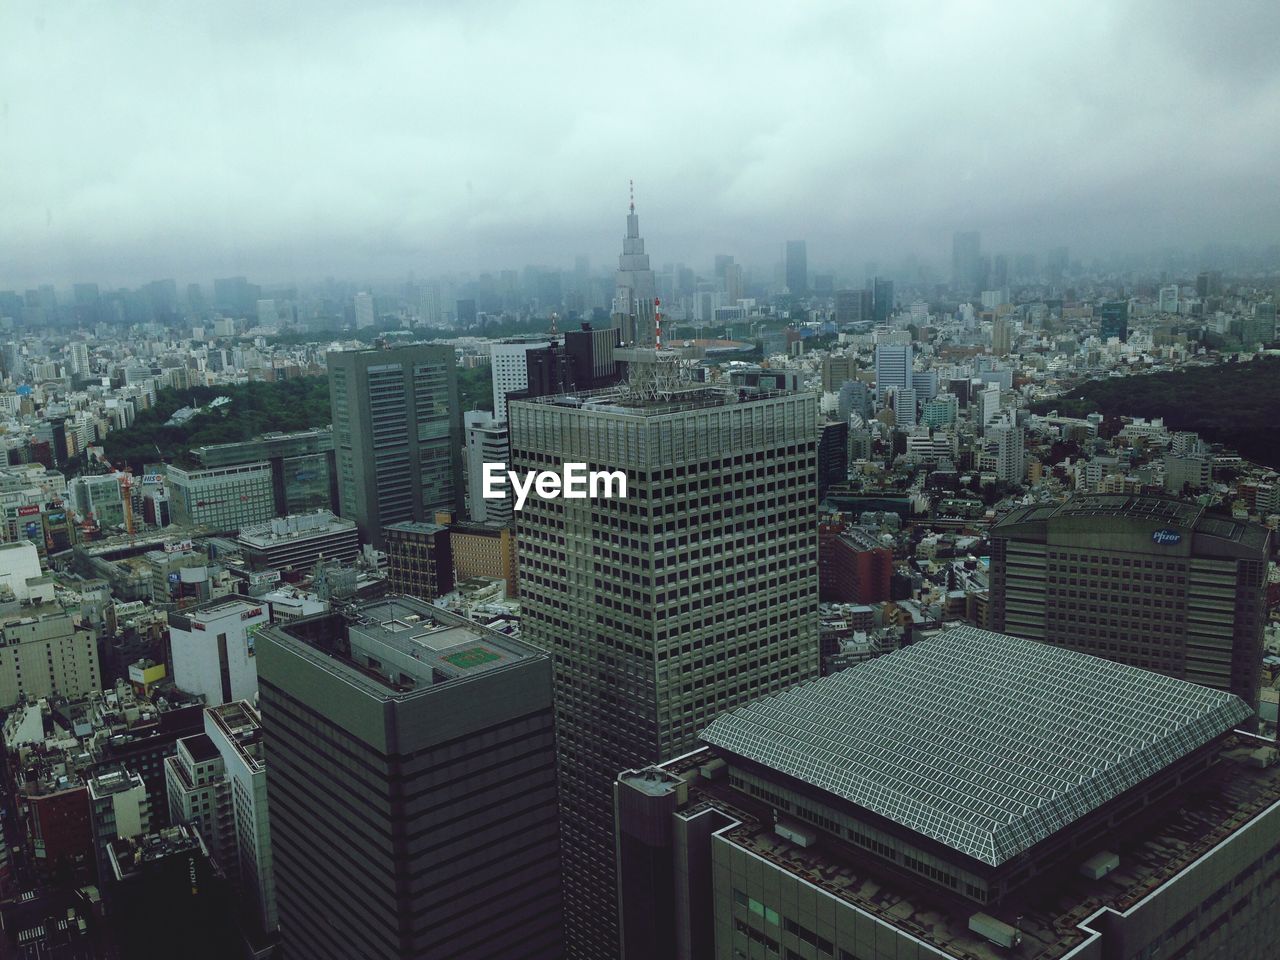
1166, 538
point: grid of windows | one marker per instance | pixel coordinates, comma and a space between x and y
984, 742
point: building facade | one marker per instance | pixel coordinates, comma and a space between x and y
214, 649
1148, 581
412, 790
925, 805
397, 426
221, 499
44, 654
419, 559
696, 592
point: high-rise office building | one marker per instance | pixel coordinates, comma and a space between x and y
696, 592
966, 262
881, 299
487, 441
509, 370
1168, 302
635, 288
1144, 580
1113, 320
397, 431
221, 499
893, 368
304, 476
852, 306
365, 316
969, 796
797, 268
412, 795
1001, 336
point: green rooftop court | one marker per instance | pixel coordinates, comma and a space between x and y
471, 657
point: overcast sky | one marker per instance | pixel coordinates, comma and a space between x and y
141, 140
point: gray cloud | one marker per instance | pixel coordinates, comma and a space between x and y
291, 140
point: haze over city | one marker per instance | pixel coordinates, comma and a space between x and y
294, 141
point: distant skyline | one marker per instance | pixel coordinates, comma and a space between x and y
292, 141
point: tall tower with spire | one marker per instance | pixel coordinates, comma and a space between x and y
636, 288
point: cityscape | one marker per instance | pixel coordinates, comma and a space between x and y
592, 548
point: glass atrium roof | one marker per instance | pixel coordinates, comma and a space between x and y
984, 742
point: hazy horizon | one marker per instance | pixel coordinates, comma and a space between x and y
296, 141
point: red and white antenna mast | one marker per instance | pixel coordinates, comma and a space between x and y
657, 323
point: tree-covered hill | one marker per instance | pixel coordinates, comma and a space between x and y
1236, 404
254, 408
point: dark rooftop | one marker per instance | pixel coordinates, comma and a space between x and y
1052, 912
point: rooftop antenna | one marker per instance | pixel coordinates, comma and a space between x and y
632, 185
554, 318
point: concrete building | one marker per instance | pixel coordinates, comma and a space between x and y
635, 288
221, 499
893, 368
118, 808
1194, 471
235, 731
695, 593
364, 309
199, 795
487, 441
973, 796
797, 268
214, 649
397, 427
509, 370
44, 654
419, 559
297, 542
19, 566
1008, 445
483, 550
304, 476
853, 566
412, 790
1148, 581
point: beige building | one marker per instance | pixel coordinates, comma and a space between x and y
44, 654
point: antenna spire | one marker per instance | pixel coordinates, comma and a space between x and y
633, 195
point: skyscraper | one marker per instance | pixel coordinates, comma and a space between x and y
1148, 581
364, 311
881, 299
797, 268
1001, 336
412, 794
397, 432
695, 593
966, 261
1114, 320
487, 441
635, 287
893, 368
509, 369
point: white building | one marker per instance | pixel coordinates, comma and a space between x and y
365, 316
236, 732
893, 368
19, 562
213, 649
44, 654
1009, 448
509, 371
487, 441
118, 809
1169, 298
989, 405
